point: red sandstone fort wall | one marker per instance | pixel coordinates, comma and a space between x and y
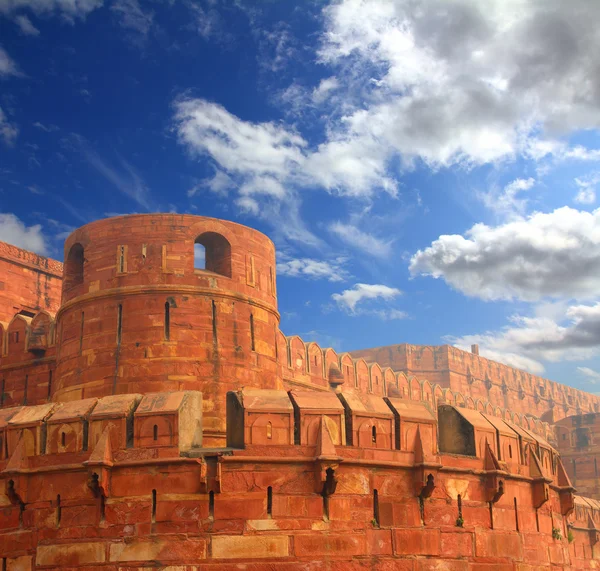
480, 378
110, 411
28, 282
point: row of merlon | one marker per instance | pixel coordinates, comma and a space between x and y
135, 421
258, 417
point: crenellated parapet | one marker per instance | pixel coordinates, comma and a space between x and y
310, 366
157, 417
124, 479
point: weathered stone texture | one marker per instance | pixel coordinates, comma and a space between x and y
157, 418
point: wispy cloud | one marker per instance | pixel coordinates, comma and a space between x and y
357, 238
8, 130
131, 16
7, 65
310, 268
25, 25
124, 178
591, 375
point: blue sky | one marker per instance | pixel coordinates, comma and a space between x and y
427, 170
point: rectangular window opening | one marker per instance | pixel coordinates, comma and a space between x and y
153, 506
376, 508
211, 505
516, 515
252, 347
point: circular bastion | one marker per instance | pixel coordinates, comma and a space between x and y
139, 315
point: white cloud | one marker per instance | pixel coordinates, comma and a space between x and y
7, 65
68, 9
311, 268
592, 376
529, 340
8, 131
463, 82
238, 146
587, 188
26, 27
545, 255
508, 202
324, 89
350, 298
220, 184
356, 238
14, 231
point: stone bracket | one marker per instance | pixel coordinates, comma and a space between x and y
325, 479
424, 478
567, 501
494, 485
210, 474
540, 492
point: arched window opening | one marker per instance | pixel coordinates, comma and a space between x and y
155, 432
217, 253
510, 451
374, 434
199, 256
73, 270
269, 430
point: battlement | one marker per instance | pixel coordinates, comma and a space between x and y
159, 417
289, 488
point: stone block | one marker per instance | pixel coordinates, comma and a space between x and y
188, 551
321, 545
23, 563
70, 554
457, 544
417, 541
249, 547
499, 544
379, 541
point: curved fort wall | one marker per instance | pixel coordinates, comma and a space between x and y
138, 317
160, 419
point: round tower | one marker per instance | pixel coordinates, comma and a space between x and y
139, 314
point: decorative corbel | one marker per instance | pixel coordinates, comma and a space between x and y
541, 481
15, 475
99, 466
594, 532
424, 470
326, 461
566, 491
210, 474
494, 475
